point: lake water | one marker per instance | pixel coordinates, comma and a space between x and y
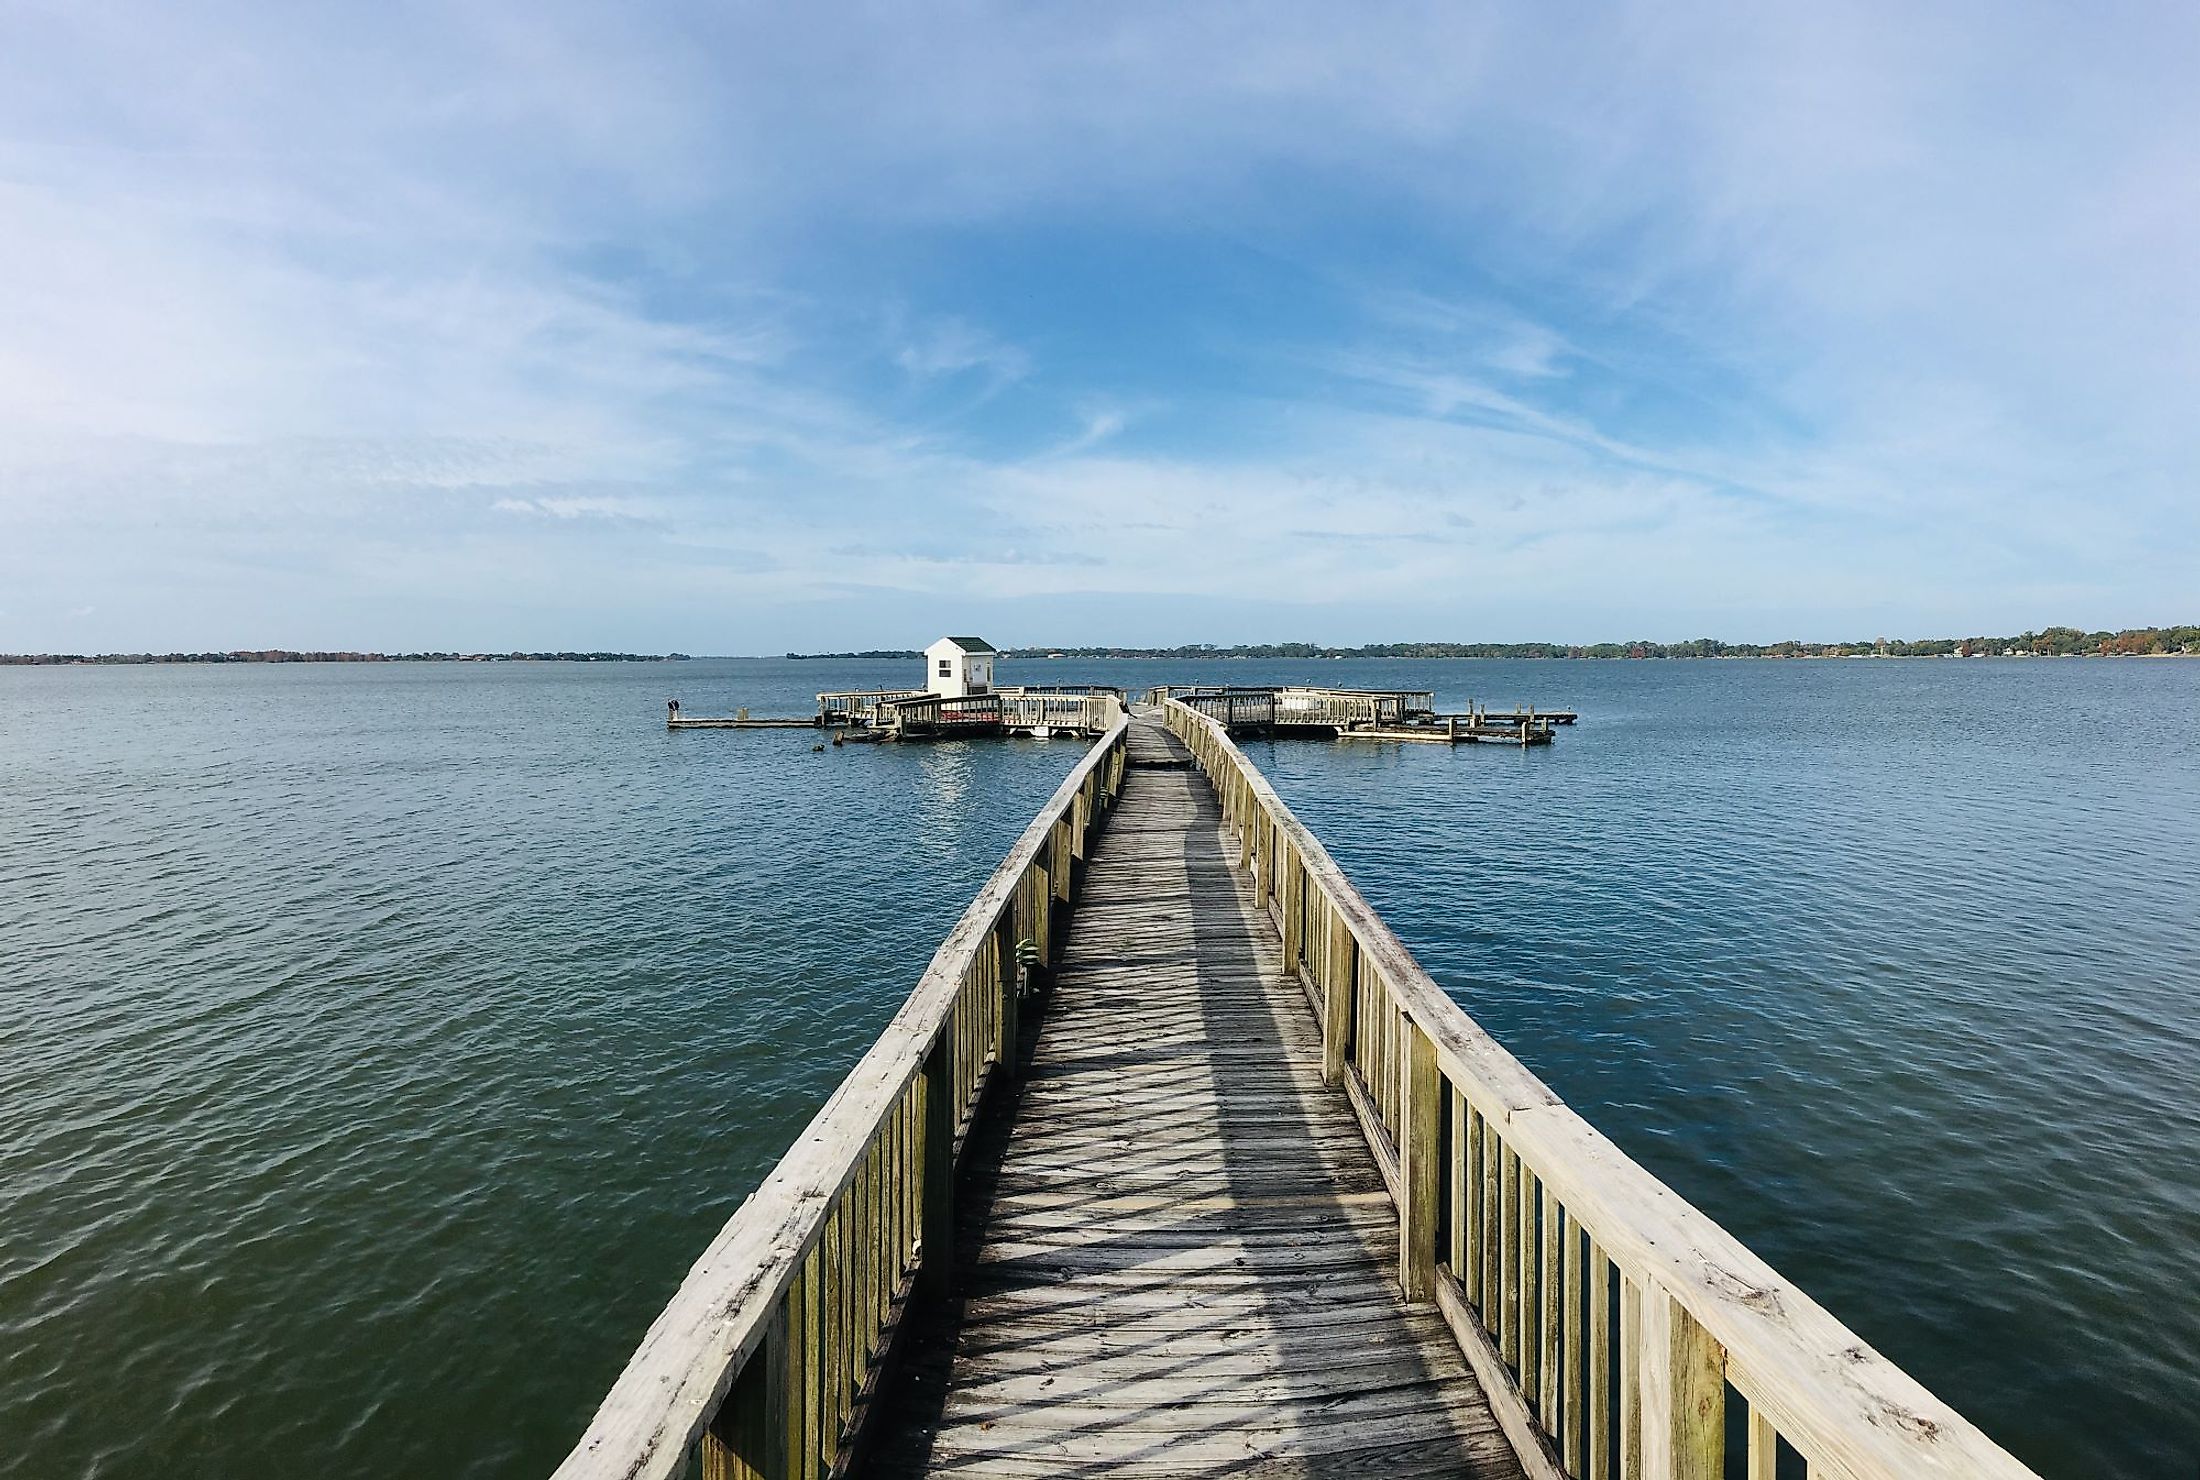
381, 1044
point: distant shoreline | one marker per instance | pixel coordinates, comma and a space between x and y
285, 655
2050, 642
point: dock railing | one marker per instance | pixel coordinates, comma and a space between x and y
767, 1358
935, 712
1299, 705
1081, 710
858, 706
1608, 1320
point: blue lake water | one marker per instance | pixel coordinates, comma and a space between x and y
381, 1044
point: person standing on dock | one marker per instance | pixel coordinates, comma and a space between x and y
672, 709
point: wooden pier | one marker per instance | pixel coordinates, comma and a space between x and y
1175, 1253
1175, 1162
1351, 714
1363, 714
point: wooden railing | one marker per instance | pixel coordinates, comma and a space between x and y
768, 1356
1300, 705
857, 706
1077, 709
938, 712
1608, 1320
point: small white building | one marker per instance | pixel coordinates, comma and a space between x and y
956, 667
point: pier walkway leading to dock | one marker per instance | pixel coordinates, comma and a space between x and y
1177, 1256
1175, 1162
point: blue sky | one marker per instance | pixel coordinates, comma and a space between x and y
739, 329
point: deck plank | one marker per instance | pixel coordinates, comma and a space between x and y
1175, 1255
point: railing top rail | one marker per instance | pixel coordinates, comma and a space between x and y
689, 1357
1849, 1409
867, 694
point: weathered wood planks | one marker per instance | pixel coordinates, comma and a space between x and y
1179, 1249
1554, 1229
1186, 1263
814, 1274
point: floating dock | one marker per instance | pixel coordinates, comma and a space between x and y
1175, 1162
1361, 714
734, 722
1451, 733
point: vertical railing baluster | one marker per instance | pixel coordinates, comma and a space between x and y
1509, 1244
1683, 1393
813, 1364
1600, 1363
1630, 1378
1460, 1167
1764, 1446
1418, 1130
1552, 1281
1337, 998
1493, 1226
835, 1364
1575, 1346
1531, 1288
746, 1439
938, 1202
1003, 950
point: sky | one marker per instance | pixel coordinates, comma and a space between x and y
744, 329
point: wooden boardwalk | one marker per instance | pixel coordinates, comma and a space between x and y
1177, 1257
1161, 1219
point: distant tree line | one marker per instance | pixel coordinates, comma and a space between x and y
286, 655
866, 653
2052, 642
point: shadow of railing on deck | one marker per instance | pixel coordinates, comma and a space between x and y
1255, 1145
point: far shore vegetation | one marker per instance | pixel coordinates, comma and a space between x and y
2051, 642
287, 655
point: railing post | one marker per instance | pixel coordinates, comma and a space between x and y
936, 1264
1683, 1384
1337, 998
1041, 910
1003, 936
747, 1438
1417, 1151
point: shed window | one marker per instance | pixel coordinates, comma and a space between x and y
947, 668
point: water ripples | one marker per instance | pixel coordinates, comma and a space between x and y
1890, 968
382, 1045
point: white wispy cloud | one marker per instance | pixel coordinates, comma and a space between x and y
951, 346
615, 319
